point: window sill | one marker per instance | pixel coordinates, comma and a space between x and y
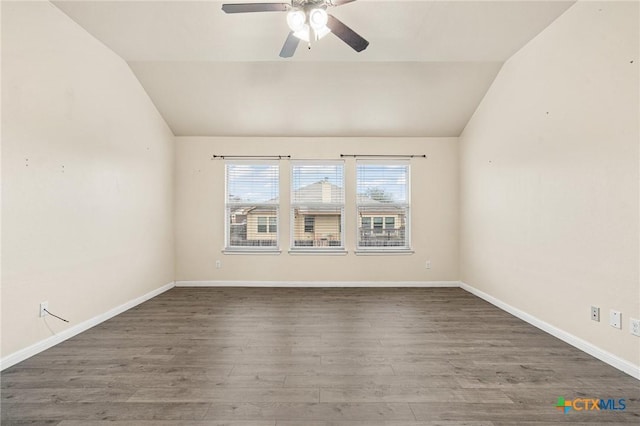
271, 252
378, 252
320, 252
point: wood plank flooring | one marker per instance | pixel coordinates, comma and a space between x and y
305, 356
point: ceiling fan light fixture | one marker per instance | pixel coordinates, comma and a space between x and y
304, 33
296, 19
322, 32
318, 19
307, 20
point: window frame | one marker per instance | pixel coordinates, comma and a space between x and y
340, 207
406, 206
274, 205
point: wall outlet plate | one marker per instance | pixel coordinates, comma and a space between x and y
43, 306
427, 264
634, 326
595, 313
615, 319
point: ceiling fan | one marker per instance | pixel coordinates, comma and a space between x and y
308, 20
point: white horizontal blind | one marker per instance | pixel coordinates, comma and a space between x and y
383, 202
317, 205
252, 198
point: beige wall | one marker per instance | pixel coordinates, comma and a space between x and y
87, 178
199, 222
549, 178
548, 184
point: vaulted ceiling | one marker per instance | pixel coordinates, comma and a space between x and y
428, 65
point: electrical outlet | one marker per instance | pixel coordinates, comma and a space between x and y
43, 307
218, 264
427, 264
595, 313
634, 326
615, 319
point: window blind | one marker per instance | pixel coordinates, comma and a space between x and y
317, 205
383, 204
252, 198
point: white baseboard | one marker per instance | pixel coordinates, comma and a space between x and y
45, 344
605, 356
317, 284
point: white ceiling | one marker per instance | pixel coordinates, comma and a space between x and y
428, 65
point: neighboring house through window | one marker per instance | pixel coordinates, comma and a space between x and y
252, 205
383, 203
317, 205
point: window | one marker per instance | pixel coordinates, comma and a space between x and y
377, 225
383, 205
252, 199
262, 224
390, 223
267, 224
309, 223
317, 205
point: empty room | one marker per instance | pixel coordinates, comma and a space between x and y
320, 212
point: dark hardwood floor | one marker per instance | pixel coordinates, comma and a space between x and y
283, 356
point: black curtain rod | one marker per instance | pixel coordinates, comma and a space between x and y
269, 157
384, 156
280, 157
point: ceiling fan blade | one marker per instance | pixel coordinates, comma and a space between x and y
290, 45
346, 34
339, 2
255, 7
